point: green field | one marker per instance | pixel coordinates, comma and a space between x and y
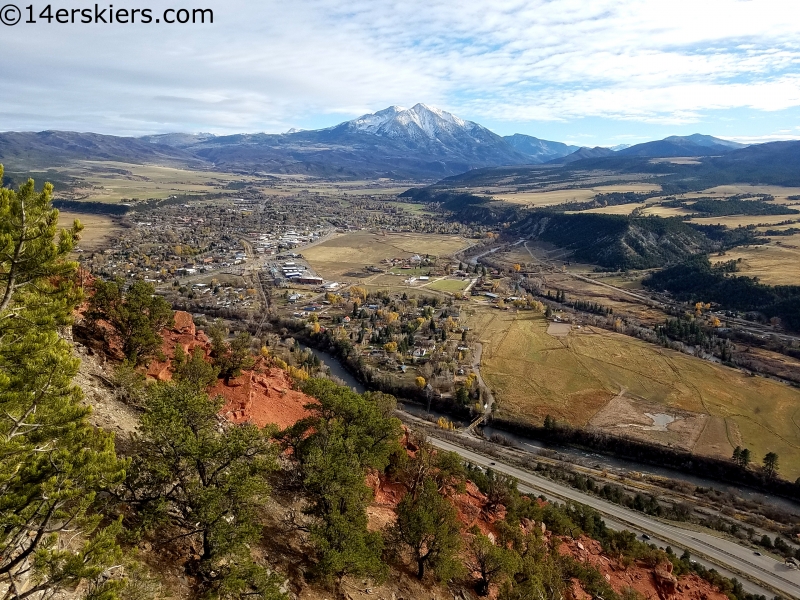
448, 285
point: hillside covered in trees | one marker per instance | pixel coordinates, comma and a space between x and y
695, 280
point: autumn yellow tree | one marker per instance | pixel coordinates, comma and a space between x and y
420, 381
358, 292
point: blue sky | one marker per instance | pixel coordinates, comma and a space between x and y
599, 72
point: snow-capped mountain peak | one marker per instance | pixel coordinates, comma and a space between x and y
418, 123
370, 123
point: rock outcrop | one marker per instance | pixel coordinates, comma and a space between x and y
262, 395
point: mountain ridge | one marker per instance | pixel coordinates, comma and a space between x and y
421, 142
539, 149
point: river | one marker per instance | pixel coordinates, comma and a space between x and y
587, 458
337, 369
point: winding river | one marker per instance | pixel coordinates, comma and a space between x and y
571, 454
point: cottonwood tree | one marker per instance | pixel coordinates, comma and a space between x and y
193, 477
53, 463
136, 316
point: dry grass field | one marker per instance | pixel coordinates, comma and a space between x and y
98, 230
549, 198
776, 263
735, 221
619, 209
115, 182
351, 252
108, 181
665, 211
778, 191
710, 408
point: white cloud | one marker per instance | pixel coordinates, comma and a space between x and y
270, 65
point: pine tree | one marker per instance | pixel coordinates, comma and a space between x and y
492, 562
53, 463
232, 357
429, 528
345, 435
770, 464
136, 316
744, 457
206, 482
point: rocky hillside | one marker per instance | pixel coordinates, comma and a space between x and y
616, 242
266, 394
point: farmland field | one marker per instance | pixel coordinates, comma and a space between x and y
619, 209
743, 220
350, 252
778, 191
115, 182
709, 408
97, 232
776, 263
552, 197
666, 211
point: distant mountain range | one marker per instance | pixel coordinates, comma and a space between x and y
690, 145
421, 142
582, 153
24, 150
540, 151
772, 163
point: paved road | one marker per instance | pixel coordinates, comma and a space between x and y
723, 552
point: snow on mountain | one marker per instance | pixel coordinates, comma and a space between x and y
416, 124
371, 123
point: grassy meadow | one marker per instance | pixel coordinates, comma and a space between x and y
98, 230
572, 378
776, 263
353, 251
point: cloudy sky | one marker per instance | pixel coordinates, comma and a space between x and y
592, 72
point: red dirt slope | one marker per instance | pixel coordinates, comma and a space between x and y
262, 395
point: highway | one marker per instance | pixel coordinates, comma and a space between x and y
727, 554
